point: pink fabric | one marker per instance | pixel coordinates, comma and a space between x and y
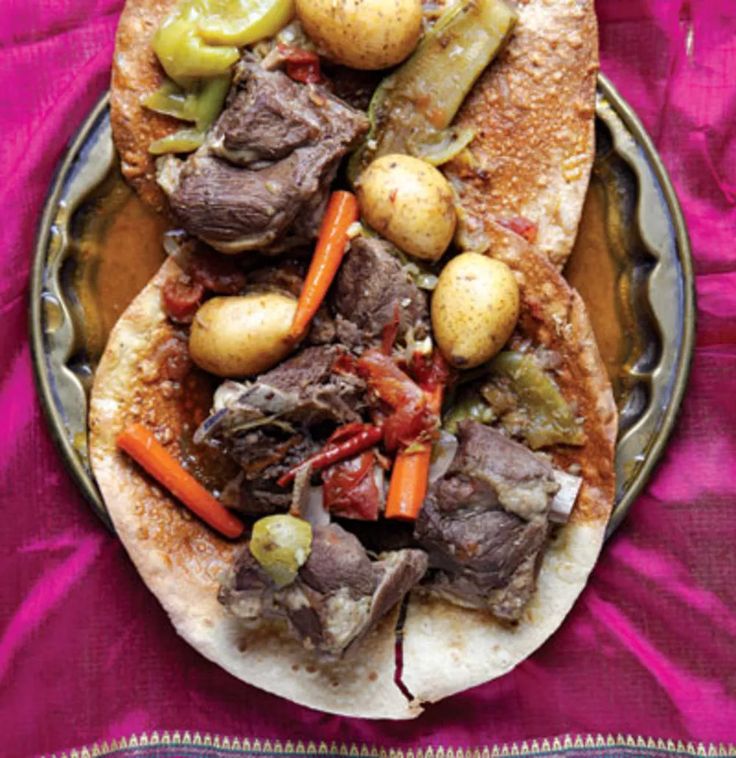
86, 654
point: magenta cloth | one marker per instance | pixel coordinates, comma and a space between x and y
86, 653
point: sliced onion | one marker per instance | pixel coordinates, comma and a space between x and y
226, 394
308, 501
426, 281
379, 477
564, 500
443, 455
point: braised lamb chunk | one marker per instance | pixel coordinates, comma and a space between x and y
262, 178
235, 209
486, 542
261, 497
485, 523
497, 472
265, 119
264, 425
506, 602
264, 455
339, 595
370, 289
247, 591
302, 390
322, 395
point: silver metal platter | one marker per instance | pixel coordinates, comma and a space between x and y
632, 265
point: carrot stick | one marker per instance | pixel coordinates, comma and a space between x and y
408, 485
342, 211
409, 478
141, 445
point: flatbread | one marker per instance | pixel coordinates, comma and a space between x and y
136, 73
533, 113
446, 649
181, 560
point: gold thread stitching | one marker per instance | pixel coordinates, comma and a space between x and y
245, 745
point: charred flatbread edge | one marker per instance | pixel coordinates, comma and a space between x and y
446, 649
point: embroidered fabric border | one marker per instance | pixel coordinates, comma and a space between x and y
185, 744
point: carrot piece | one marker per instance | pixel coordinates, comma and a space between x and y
143, 447
410, 476
342, 211
408, 485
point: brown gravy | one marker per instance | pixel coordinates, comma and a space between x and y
602, 275
118, 249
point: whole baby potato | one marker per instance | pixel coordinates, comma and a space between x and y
475, 307
409, 202
364, 34
242, 335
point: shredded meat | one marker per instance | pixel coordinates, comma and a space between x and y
266, 425
370, 290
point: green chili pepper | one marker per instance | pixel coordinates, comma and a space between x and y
413, 109
183, 141
549, 419
242, 22
184, 55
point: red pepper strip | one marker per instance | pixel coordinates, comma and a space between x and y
410, 475
306, 73
350, 488
521, 226
181, 298
410, 418
345, 431
342, 211
141, 445
301, 65
389, 382
346, 365
430, 372
334, 452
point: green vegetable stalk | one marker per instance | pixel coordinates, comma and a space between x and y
197, 45
412, 110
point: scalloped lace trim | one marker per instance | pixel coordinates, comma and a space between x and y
169, 744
